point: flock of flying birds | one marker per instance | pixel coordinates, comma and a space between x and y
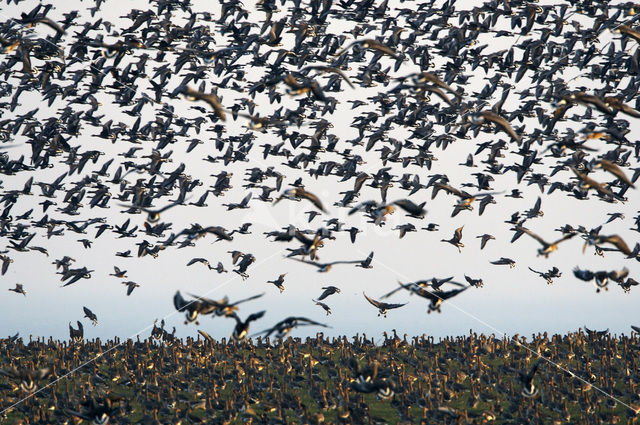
182, 76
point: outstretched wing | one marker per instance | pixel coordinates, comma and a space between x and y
372, 301
314, 200
247, 299
178, 302
255, 316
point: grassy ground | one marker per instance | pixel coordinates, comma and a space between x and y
476, 379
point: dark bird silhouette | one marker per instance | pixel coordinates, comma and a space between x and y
193, 308
325, 307
242, 327
97, 411
76, 335
211, 99
529, 389
283, 327
278, 282
456, 240
153, 216
28, 378
328, 290
90, 315
382, 307
299, 192
547, 248
19, 289
370, 43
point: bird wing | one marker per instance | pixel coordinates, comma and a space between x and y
363, 205
325, 294
410, 207
303, 321
565, 237
178, 302
402, 286
372, 301
619, 243
247, 299
533, 235
314, 200
255, 316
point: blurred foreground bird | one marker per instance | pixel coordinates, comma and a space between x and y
299, 192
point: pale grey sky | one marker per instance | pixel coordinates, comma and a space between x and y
512, 300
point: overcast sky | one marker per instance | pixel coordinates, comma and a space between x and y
512, 300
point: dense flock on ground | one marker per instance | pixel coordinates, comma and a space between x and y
148, 135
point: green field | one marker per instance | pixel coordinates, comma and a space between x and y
475, 379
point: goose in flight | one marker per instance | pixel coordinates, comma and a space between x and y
328, 290
324, 306
382, 307
299, 192
90, 315
283, 327
547, 248
456, 240
153, 216
192, 308
372, 44
278, 282
325, 267
529, 389
19, 289
211, 99
242, 327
